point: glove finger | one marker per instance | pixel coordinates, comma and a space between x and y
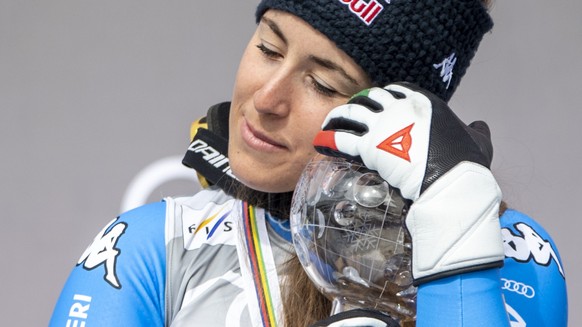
400, 90
385, 97
338, 144
349, 115
365, 100
364, 107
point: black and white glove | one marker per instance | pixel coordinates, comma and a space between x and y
417, 144
358, 318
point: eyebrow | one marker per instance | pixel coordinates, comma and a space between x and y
275, 28
328, 64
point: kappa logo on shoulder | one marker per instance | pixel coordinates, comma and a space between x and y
399, 143
103, 251
529, 246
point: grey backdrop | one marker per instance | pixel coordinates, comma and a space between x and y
91, 92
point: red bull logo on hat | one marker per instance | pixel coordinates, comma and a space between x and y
366, 11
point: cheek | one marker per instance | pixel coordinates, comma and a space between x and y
248, 75
313, 119
307, 128
243, 86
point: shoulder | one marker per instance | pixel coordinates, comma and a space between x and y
525, 240
149, 218
533, 277
211, 196
203, 264
127, 246
119, 278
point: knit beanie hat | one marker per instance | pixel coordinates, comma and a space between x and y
426, 42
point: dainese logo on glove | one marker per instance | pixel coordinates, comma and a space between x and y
399, 143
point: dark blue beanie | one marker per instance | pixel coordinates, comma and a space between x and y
426, 42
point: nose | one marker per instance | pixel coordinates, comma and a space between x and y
275, 95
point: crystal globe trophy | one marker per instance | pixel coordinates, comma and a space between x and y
349, 234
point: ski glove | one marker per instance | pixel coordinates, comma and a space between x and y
417, 144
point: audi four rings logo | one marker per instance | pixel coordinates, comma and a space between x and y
519, 288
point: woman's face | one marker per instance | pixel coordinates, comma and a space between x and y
289, 78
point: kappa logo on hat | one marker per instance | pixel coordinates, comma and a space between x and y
366, 11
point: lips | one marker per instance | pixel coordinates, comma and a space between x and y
257, 140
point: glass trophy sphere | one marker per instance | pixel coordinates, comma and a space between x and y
349, 234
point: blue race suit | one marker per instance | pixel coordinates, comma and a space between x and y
174, 263
177, 263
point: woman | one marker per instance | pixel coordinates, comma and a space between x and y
221, 257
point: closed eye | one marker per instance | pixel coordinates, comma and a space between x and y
268, 52
324, 90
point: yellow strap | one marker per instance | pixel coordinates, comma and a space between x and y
200, 123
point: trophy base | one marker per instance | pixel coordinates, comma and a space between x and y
338, 305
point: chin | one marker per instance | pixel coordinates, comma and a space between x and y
260, 181
269, 186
